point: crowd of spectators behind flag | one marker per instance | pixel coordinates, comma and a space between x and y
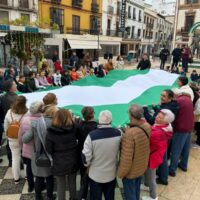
52, 142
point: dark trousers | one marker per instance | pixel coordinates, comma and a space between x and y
29, 172
39, 185
9, 154
174, 63
197, 128
163, 170
1, 133
162, 64
84, 183
99, 189
185, 65
61, 186
180, 149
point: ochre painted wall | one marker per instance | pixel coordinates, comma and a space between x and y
66, 5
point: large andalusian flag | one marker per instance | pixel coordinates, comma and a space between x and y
115, 92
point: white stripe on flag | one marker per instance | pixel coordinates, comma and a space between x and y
121, 92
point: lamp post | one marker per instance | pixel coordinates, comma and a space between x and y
97, 27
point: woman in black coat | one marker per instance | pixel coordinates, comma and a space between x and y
62, 144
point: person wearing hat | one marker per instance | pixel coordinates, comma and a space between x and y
35, 112
134, 153
160, 134
100, 154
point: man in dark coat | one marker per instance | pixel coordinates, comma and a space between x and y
6, 101
163, 57
176, 53
144, 63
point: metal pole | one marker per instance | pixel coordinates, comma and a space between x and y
98, 46
175, 25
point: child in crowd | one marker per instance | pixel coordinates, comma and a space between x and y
21, 87
99, 71
160, 134
37, 83
80, 72
194, 76
74, 75
43, 80
65, 78
57, 79
50, 78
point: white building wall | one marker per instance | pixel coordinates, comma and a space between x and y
105, 15
15, 13
139, 6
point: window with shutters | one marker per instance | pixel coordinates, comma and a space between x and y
75, 24
4, 16
57, 17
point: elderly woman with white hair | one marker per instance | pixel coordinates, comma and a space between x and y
160, 134
27, 149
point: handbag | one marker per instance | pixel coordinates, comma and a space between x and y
44, 159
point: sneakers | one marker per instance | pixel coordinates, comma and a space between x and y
148, 198
144, 188
16, 182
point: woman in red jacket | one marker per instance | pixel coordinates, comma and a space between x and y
161, 132
57, 66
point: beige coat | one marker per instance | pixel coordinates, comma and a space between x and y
134, 152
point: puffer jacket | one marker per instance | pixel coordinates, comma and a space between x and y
62, 144
134, 151
160, 134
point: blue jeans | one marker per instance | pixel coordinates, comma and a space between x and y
180, 150
132, 188
163, 169
97, 189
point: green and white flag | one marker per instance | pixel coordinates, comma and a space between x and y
115, 92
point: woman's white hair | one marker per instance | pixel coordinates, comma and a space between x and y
105, 117
35, 107
168, 115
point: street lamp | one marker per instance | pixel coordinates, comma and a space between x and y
97, 26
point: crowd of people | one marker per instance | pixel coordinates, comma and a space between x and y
53, 143
51, 73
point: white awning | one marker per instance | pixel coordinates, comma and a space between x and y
84, 44
2, 34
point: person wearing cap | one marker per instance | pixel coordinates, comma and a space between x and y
183, 126
100, 153
27, 149
160, 134
184, 87
134, 153
7, 100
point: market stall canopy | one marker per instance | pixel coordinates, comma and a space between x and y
83, 44
2, 34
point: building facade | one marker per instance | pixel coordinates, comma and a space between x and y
188, 15
149, 31
134, 26
72, 16
11, 10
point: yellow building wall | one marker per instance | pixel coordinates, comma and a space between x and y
69, 11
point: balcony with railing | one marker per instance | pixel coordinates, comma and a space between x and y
95, 7
149, 25
78, 31
56, 1
77, 3
4, 2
